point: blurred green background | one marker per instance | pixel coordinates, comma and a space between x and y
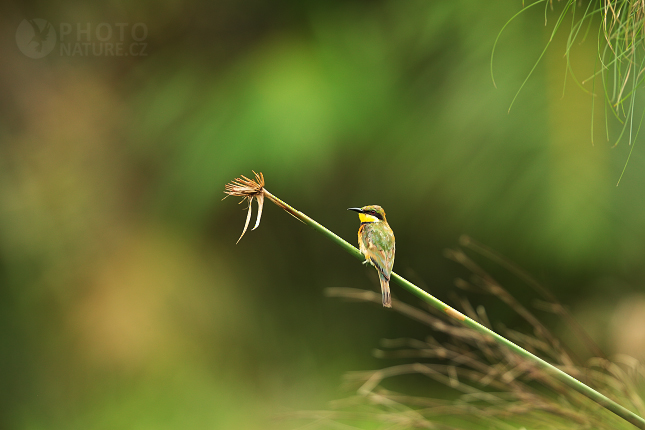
124, 301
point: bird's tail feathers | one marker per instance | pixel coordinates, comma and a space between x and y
385, 290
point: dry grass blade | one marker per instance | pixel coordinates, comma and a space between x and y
496, 386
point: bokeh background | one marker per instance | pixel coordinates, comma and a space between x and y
124, 300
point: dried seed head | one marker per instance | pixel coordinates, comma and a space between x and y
248, 189
245, 187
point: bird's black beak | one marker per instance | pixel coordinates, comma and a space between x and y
359, 210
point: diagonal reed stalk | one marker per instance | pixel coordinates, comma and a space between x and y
251, 189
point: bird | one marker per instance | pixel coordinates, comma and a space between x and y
376, 242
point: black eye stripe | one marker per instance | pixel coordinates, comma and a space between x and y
376, 214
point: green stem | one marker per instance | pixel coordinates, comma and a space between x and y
558, 374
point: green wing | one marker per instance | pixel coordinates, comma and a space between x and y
378, 241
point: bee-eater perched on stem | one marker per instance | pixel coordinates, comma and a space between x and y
376, 242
